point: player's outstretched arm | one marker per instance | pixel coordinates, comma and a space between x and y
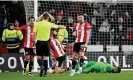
19, 28
61, 27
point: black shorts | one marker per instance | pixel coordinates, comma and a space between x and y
29, 51
43, 48
14, 50
77, 47
60, 60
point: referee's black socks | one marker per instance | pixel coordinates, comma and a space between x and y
45, 66
39, 61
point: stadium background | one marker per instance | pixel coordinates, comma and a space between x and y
111, 37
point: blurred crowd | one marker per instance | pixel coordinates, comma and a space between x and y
111, 23
11, 12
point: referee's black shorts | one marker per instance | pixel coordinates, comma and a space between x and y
43, 48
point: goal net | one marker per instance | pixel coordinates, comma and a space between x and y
111, 37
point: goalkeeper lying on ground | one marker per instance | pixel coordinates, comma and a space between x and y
99, 67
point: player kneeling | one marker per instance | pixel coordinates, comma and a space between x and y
58, 54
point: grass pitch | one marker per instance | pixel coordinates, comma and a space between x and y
65, 76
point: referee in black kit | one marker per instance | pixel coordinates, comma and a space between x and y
42, 36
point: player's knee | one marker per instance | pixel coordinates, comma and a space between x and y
81, 57
32, 58
39, 57
59, 70
74, 58
26, 57
45, 57
82, 53
75, 53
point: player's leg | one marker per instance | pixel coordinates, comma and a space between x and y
26, 60
50, 62
82, 54
46, 52
77, 66
39, 60
45, 64
31, 61
58, 68
76, 49
74, 62
81, 61
31, 65
39, 56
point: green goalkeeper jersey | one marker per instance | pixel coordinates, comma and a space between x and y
98, 67
101, 67
89, 64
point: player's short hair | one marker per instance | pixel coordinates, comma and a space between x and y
80, 14
119, 69
45, 16
31, 18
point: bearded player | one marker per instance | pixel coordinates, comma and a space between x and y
82, 30
28, 44
58, 53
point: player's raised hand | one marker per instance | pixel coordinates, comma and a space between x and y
51, 17
40, 17
85, 45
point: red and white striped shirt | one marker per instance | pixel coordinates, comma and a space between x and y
57, 48
28, 43
81, 29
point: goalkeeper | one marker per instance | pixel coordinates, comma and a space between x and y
99, 67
